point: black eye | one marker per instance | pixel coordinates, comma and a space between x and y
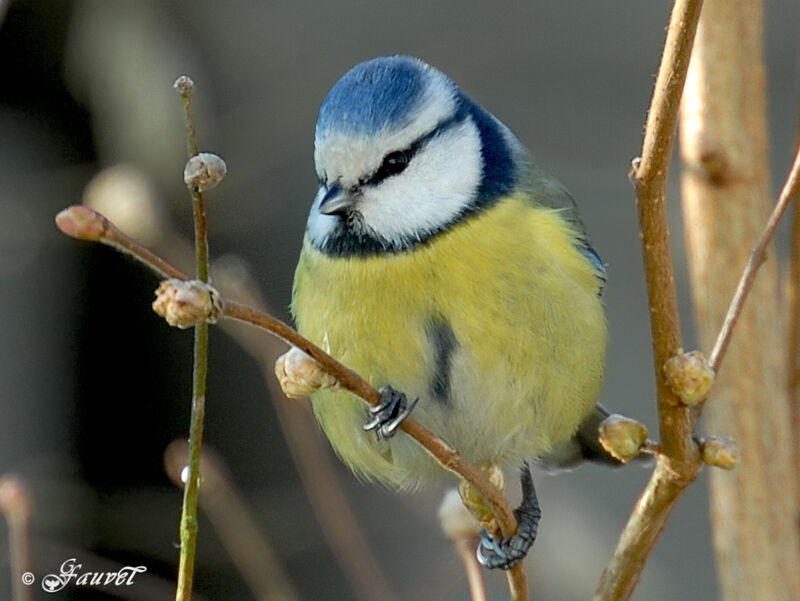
393, 163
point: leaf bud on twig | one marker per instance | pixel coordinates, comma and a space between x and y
184, 84
622, 437
186, 303
82, 223
299, 375
204, 171
690, 376
720, 451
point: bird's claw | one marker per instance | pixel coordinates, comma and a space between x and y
389, 413
493, 552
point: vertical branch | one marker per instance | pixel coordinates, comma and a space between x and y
310, 452
649, 176
251, 553
185, 86
726, 200
474, 570
462, 528
188, 530
339, 522
678, 463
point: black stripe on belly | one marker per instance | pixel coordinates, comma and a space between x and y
444, 343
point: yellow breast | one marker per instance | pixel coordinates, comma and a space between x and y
530, 335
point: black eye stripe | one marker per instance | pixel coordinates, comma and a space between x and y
393, 163
396, 161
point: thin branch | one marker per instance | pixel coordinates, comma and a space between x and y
436, 448
679, 460
650, 179
474, 570
87, 224
189, 522
757, 258
185, 87
461, 527
517, 583
644, 526
340, 525
349, 379
252, 554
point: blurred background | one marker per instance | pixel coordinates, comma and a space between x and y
94, 386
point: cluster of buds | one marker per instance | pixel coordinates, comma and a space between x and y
187, 303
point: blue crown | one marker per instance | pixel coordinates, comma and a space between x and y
375, 95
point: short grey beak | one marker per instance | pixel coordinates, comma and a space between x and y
335, 202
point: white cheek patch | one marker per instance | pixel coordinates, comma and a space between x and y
439, 183
346, 156
319, 225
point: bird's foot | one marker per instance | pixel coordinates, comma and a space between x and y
386, 416
494, 552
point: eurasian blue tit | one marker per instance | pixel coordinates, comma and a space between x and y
440, 262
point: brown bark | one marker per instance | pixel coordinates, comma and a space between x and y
793, 348
678, 461
726, 201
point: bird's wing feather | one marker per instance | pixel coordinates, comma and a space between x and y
549, 192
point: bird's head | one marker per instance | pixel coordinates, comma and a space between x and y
402, 154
